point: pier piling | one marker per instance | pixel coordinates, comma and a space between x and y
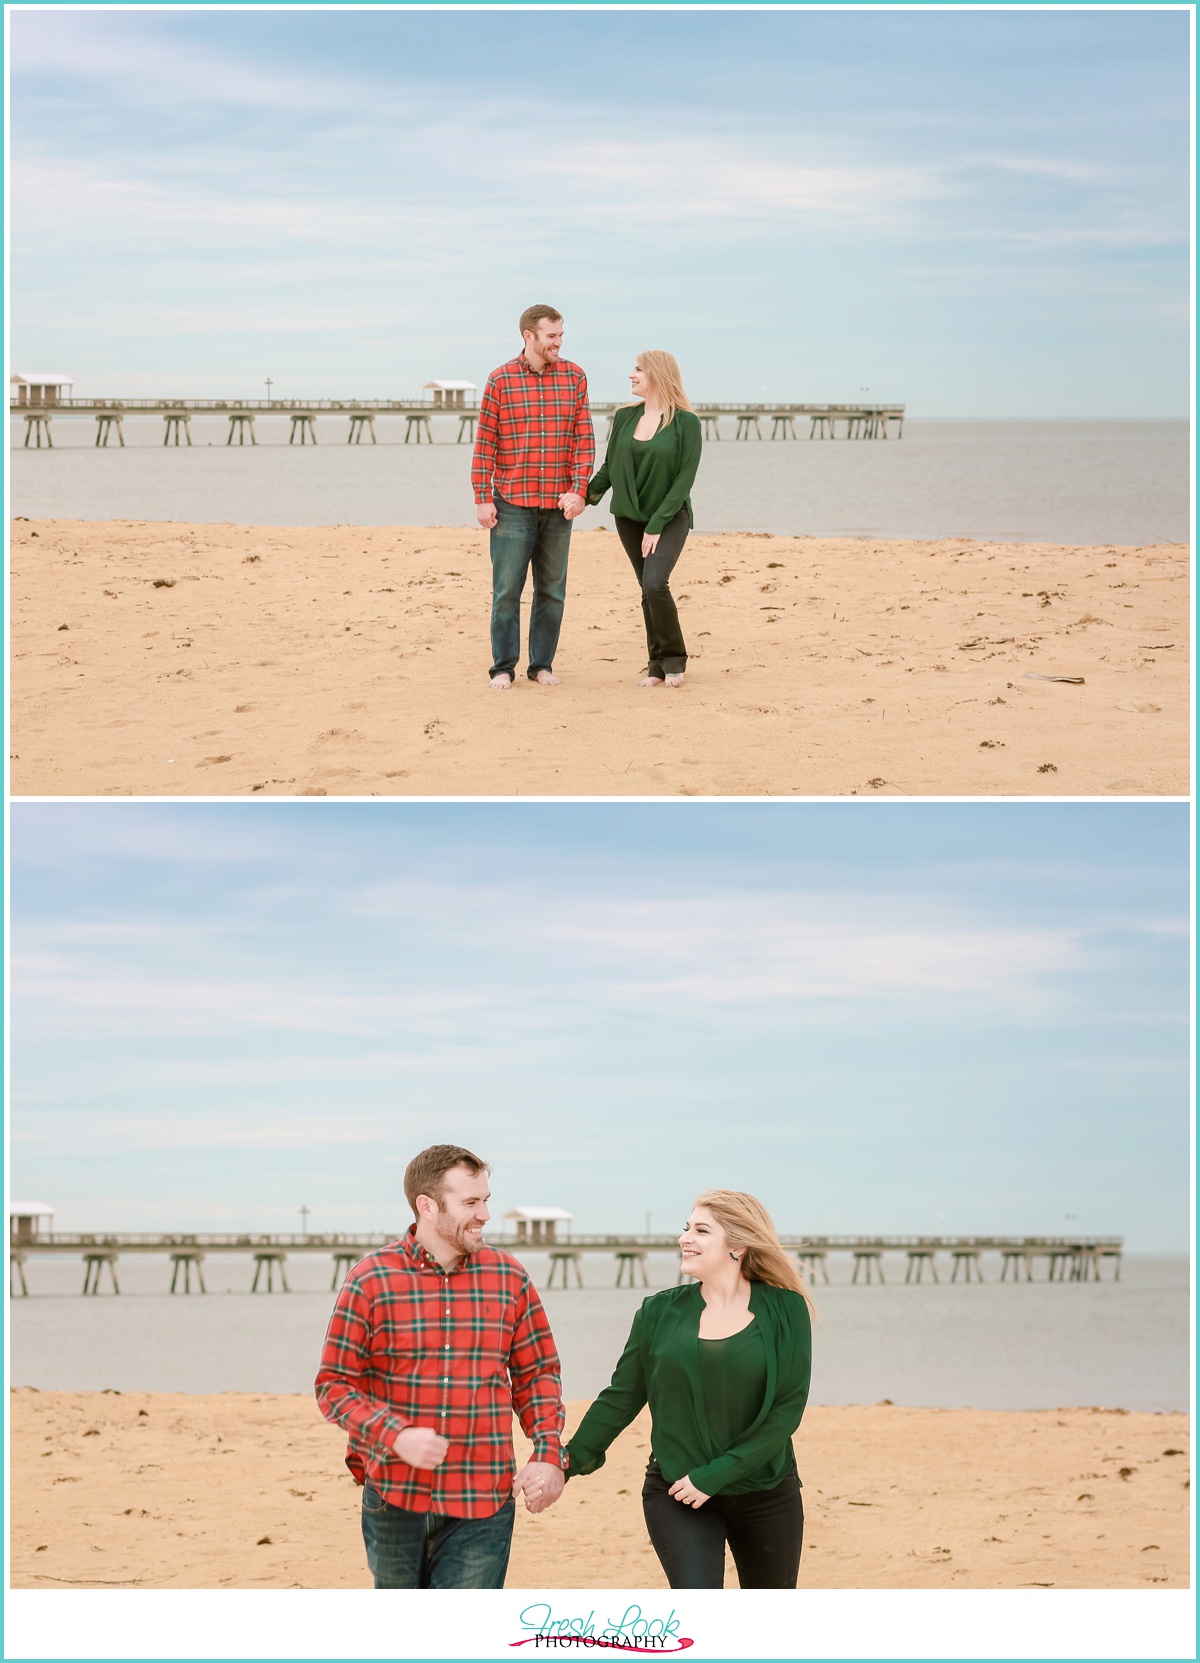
105, 422
186, 1257
418, 419
869, 1259
306, 423
177, 421
35, 422
562, 1258
632, 1259
16, 1263
270, 1257
239, 421
967, 1258
918, 1258
359, 419
94, 1261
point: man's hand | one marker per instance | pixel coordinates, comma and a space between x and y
649, 544
542, 1483
685, 1491
572, 504
420, 1447
485, 513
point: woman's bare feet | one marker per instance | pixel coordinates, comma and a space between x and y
650, 681
675, 680
502, 682
546, 678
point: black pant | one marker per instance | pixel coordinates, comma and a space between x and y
664, 638
764, 1529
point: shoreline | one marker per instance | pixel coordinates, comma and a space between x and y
149, 1490
181, 660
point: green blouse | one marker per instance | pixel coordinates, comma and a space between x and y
651, 479
690, 1435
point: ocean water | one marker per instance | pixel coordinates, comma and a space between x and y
985, 1346
1087, 482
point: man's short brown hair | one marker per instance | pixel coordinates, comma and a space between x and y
426, 1173
533, 315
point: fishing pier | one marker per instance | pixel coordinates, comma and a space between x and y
1054, 1258
356, 418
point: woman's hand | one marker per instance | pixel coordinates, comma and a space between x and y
683, 1489
649, 544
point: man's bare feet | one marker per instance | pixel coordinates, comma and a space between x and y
502, 682
650, 681
547, 678
675, 680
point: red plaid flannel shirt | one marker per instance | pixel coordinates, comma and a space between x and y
456, 1351
535, 437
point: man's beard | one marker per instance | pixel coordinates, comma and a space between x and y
457, 1237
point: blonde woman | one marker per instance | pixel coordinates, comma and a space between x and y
723, 1363
651, 461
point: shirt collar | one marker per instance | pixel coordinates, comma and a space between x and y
410, 1248
529, 369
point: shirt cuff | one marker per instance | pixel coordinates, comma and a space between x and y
580, 488
382, 1433
549, 1449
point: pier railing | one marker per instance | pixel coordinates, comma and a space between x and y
859, 421
284, 406
1070, 1258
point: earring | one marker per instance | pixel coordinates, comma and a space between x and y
734, 1256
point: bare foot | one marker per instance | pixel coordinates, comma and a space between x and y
675, 680
650, 681
501, 682
547, 678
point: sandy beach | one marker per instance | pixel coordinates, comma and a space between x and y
197, 660
238, 1491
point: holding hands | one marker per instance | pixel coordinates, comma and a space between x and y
685, 1491
572, 504
542, 1484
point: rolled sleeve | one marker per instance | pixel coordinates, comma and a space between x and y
372, 1425
536, 1376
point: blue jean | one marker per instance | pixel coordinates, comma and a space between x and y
433, 1550
524, 537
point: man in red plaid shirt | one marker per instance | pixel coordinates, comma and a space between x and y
432, 1345
534, 448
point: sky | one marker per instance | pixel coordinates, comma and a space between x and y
972, 212
912, 1018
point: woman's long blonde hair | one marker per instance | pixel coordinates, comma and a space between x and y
662, 372
749, 1227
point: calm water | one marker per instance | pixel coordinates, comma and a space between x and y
989, 1346
1123, 482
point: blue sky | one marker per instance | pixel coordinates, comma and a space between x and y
974, 212
909, 1018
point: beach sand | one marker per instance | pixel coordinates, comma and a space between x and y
198, 660
238, 1491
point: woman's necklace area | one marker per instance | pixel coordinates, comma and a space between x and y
656, 416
